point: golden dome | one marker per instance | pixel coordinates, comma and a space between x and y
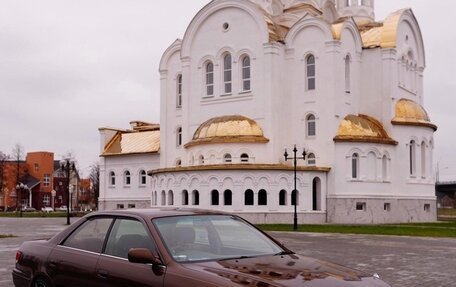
228, 129
362, 128
411, 113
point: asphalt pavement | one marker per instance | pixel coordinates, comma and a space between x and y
401, 261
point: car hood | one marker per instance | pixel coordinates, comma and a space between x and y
286, 270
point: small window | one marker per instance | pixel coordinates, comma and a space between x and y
427, 207
201, 159
120, 206
170, 197
387, 206
195, 197
90, 236
228, 197
347, 74
311, 126
209, 79
143, 177
112, 178
179, 91
283, 197
246, 73
47, 180
310, 73
361, 206
46, 200
215, 197
244, 157
412, 157
227, 158
248, 197
294, 197
178, 163
262, 197
311, 161
127, 178
179, 137
184, 197
227, 74
355, 166
36, 166
131, 205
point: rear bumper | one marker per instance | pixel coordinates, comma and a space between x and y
20, 279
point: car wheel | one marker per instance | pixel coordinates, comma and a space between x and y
41, 282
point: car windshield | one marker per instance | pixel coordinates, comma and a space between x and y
212, 237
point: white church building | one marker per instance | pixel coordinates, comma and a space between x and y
252, 79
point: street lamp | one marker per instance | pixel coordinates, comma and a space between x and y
19, 188
295, 161
67, 166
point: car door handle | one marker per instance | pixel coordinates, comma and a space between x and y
101, 273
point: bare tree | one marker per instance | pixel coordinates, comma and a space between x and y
17, 155
3, 159
95, 179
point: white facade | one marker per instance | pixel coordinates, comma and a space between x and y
251, 79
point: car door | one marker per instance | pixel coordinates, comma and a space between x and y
114, 269
72, 263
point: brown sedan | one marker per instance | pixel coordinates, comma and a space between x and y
171, 248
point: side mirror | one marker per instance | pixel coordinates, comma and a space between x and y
143, 256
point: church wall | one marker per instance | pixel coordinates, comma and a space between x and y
121, 193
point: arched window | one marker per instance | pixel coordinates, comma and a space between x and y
163, 198
170, 197
209, 79
283, 197
310, 73
311, 161
262, 197
112, 178
215, 197
412, 157
248, 197
227, 74
127, 178
347, 74
423, 159
178, 163
311, 126
142, 177
195, 197
179, 136
294, 198
246, 73
179, 91
355, 166
201, 159
228, 197
316, 194
227, 158
244, 157
184, 197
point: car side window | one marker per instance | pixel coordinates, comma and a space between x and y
90, 236
127, 234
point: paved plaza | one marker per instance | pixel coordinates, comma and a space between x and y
401, 261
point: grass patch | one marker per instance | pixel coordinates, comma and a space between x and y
439, 229
6, 236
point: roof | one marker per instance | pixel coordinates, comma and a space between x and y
408, 112
133, 142
228, 129
362, 128
30, 181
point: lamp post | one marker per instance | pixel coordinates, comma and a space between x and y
295, 161
67, 166
19, 188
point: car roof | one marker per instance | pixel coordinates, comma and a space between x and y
151, 213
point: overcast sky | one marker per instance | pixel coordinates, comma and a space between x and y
68, 67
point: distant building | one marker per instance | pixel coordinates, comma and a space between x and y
251, 79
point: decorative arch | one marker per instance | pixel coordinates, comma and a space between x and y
308, 21
213, 7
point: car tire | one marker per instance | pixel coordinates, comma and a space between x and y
41, 282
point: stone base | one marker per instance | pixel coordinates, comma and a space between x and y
381, 210
114, 204
283, 218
